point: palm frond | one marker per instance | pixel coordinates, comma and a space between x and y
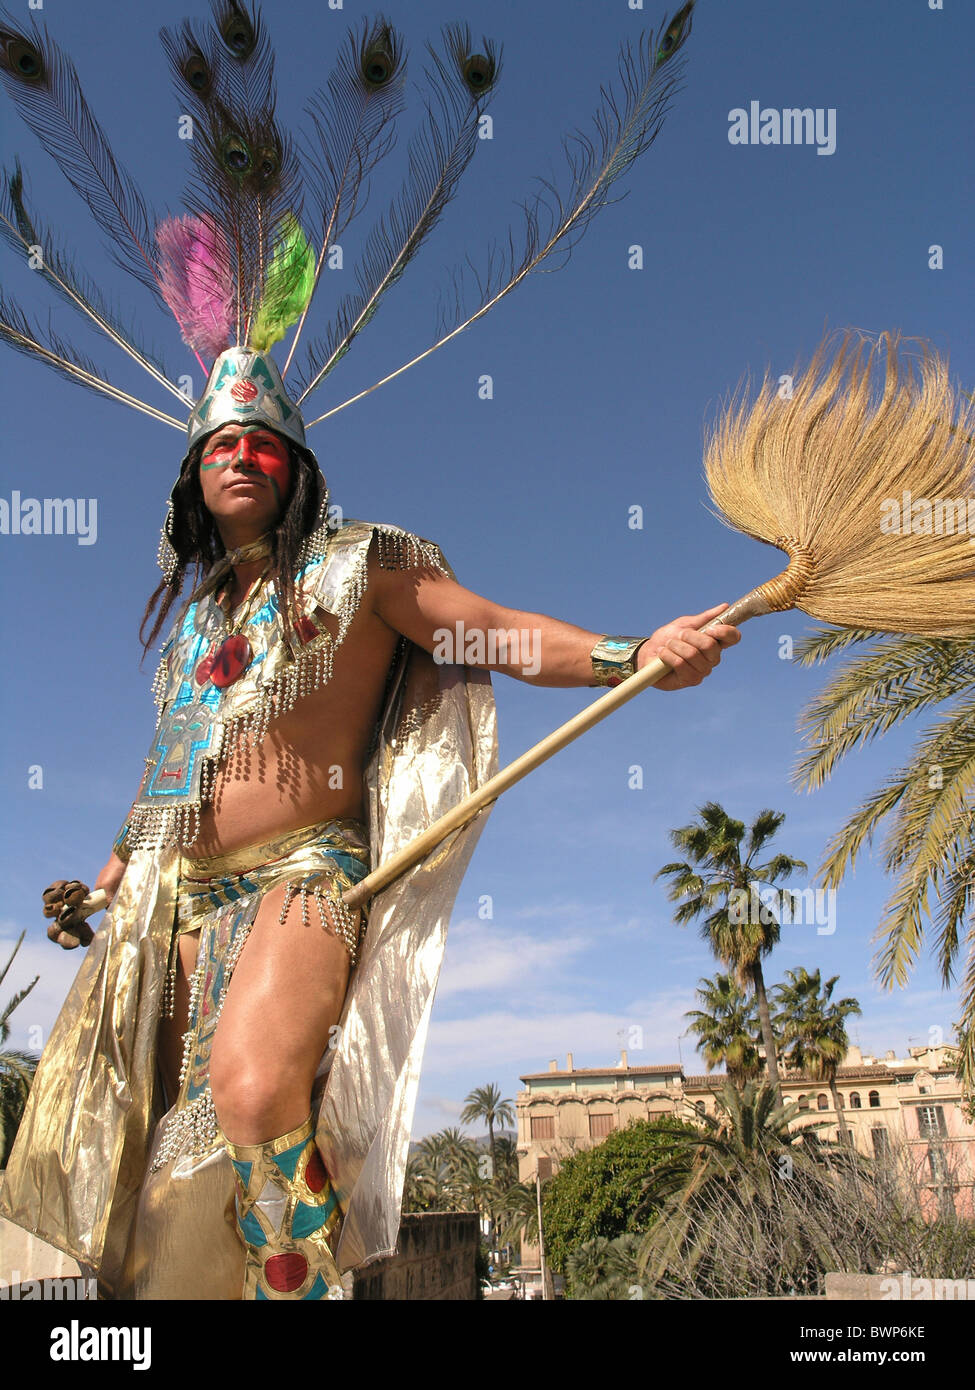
897, 678
823, 642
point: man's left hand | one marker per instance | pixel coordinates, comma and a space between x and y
692, 654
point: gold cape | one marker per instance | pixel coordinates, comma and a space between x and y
76, 1172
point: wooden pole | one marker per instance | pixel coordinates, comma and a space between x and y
752, 605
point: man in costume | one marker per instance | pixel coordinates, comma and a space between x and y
235, 1068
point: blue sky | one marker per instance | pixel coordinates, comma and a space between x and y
604, 378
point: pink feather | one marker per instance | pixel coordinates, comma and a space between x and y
197, 281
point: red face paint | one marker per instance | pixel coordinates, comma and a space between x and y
256, 450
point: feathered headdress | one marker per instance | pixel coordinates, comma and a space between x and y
243, 264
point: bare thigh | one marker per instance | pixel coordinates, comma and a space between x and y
287, 992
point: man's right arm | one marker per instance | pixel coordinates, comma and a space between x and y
111, 876
108, 880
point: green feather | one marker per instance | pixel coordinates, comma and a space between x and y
288, 287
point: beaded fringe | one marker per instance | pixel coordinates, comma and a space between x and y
193, 1130
399, 550
312, 668
153, 827
343, 923
166, 557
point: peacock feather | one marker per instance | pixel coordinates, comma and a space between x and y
242, 262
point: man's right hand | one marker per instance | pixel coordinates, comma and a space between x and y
61, 899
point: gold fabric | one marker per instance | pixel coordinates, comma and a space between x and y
438, 743
264, 855
77, 1167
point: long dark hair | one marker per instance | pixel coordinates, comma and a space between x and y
196, 540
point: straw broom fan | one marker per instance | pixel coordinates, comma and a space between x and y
815, 475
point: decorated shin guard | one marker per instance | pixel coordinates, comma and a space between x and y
286, 1213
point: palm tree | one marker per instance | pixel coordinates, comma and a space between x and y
16, 1067
437, 1173
927, 806
518, 1214
748, 1205
603, 1270
815, 1027
718, 882
485, 1103
586, 1264
726, 1026
506, 1153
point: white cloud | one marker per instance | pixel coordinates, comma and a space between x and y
482, 956
527, 1043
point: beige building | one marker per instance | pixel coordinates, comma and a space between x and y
910, 1104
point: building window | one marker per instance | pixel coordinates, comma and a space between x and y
600, 1126
822, 1102
874, 1099
938, 1165
931, 1122
543, 1126
881, 1141
855, 1103
803, 1102
699, 1106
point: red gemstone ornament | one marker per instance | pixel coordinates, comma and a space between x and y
243, 391
202, 673
315, 1175
230, 661
306, 629
285, 1273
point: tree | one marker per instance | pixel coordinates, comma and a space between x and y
746, 1206
16, 1067
738, 896
926, 807
726, 1026
597, 1192
437, 1173
601, 1270
814, 1027
485, 1103
518, 1214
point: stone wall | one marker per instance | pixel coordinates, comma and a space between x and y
436, 1258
